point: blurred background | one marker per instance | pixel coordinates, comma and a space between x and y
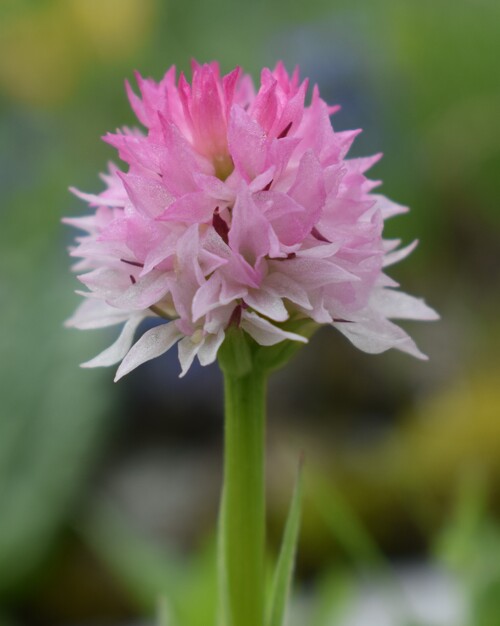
109, 493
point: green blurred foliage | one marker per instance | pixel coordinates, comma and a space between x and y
427, 73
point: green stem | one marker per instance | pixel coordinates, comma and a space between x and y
244, 496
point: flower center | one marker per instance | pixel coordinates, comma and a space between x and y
223, 166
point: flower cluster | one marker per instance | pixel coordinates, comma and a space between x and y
238, 207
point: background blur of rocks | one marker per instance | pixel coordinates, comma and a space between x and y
107, 491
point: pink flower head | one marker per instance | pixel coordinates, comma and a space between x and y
238, 206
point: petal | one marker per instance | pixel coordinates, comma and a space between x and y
398, 255
267, 304
285, 287
265, 333
314, 273
399, 305
207, 111
249, 233
214, 187
157, 255
387, 207
138, 151
152, 344
191, 208
247, 143
116, 352
187, 351
97, 200
207, 297
288, 219
375, 335
292, 113
146, 291
265, 106
180, 163
96, 314
148, 195
209, 348
309, 188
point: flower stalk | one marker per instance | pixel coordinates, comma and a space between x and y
244, 496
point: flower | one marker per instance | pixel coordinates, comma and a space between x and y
238, 207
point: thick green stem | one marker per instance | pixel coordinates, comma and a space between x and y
244, 496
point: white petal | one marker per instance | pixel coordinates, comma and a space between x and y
267, 304
398, 255
116, 352
146, 291
285, 287
390, 244
207, 297
209, 348
93, 313
265, 333
377, 335
96, 200
387, 207
153, 343
399, 305
321, 251
187, 351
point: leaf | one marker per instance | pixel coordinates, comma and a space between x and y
52, 415
334, 590
345, 525
145, 569
282, 581
165, 617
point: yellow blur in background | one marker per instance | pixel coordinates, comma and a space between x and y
46, 50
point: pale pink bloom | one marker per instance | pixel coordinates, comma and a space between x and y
237, 207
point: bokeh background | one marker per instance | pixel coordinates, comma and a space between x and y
108, 493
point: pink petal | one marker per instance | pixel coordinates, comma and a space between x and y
247, 143
249, 233
207, 112
314, 273
285, 287
149, 196
145, 292
207, 297
191, 208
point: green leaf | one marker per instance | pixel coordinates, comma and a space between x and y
344, 524
334, 590
145, 569
52, 415
165, 617
282, 581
